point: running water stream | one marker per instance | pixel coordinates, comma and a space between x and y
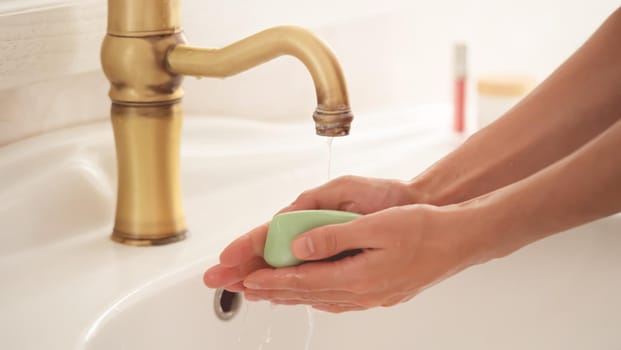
310, 313
329, 147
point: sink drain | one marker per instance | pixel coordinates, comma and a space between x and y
226, 304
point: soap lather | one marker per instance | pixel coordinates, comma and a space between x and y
285, 227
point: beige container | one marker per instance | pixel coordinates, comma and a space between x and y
497, 94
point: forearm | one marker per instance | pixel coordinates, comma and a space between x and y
580, 100
580, 188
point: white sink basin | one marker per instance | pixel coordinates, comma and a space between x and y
66, 285
530, 300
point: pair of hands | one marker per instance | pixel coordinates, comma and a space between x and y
405, 248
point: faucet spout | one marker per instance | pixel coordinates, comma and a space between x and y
332, 116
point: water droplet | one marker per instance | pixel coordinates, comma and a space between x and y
268, 336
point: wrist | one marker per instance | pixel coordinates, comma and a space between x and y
417, 191
430, 187
493, 225
479, 230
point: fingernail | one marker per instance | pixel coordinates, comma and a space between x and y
303, 248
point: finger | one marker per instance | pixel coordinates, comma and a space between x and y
218, 276
221, 276
334, 308
236, 287
329, 307
362, 300
290, 302
245, 247
338, 194
327, 241
323, 297
337, 309
397, 299
345, 275
306, 200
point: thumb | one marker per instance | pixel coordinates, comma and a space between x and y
327, 241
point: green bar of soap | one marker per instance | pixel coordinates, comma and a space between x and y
286, 226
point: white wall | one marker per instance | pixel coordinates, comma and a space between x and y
392, 51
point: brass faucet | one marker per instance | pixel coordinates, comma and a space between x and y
145, 56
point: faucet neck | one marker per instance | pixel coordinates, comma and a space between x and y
133, 54
140, 18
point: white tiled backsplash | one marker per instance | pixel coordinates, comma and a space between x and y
392, 52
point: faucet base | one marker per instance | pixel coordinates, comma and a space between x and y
149, 207
128, 239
